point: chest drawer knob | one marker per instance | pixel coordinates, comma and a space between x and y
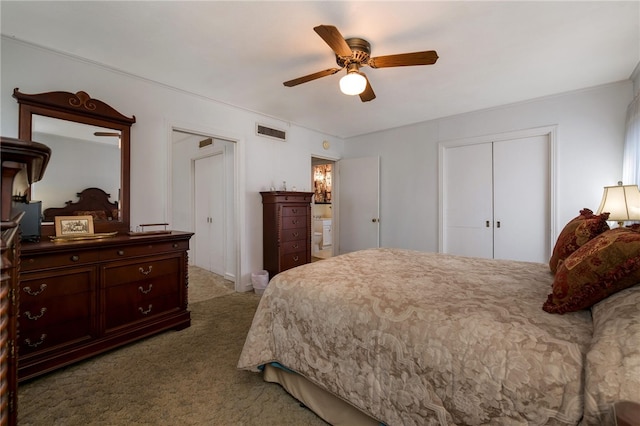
36, 317
120, 252
147, 312
295, 234
143, 291
147, 272
175, 245
75, 258
35, 344
36, 292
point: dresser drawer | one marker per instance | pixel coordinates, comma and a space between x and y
58, 260
292, 222
294, 246
147, 270
42, 287
143, 250
294, 211
40, 316
291, 260
140, 301
297, 234
54, 336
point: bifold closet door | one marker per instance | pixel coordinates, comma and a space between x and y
209, 213
521, 199
496, 200
468, 210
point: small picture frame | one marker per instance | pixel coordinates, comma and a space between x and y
71, 226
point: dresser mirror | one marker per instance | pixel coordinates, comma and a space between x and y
90, 148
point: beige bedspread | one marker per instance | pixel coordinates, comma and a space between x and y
416, 338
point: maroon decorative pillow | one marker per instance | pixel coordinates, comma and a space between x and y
605, 265
578, 231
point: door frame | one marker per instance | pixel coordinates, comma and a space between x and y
549, 131
238, 187
335, 207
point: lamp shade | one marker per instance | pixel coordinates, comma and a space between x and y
622, 202
353, 83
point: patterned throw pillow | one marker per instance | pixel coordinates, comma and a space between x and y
601, 267
578, 231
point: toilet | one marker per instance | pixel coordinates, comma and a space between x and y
317, 241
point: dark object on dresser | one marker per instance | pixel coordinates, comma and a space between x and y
82, 298
286, 228
23, 163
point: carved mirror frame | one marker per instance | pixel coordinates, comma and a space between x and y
81, 108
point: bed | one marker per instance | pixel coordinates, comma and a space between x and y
401, 337
92, 202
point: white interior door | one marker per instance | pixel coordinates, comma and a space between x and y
209, 213
521, 199
358, 186
468, 208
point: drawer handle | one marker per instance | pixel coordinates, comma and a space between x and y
147, 272
143, 312
145, 291
75, 258
32, 317
295, 221
294, 210
296, 234
175, 245
295, 246
35, 293
295, 258
120, 252
36, 344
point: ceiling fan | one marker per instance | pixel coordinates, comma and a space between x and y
354, 53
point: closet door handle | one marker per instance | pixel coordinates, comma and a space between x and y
498, 224
487, 224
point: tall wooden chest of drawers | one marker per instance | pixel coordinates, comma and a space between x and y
80, 298
286, 228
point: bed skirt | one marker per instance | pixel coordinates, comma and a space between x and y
327, 406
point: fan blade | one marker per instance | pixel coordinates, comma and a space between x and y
334, 39
311, 77
428, 57
368, 94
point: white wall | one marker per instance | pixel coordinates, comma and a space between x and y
588, 154
261, 161
589, 149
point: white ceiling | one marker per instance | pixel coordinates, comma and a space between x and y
240, 53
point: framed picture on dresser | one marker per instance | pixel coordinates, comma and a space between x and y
67, 226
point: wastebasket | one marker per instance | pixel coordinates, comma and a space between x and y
259, 281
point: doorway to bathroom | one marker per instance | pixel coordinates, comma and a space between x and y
322, 175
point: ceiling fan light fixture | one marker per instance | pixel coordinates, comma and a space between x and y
353, 83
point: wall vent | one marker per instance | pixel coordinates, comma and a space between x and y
270, 132
206, 142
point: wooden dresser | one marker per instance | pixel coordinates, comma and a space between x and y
23, 163
286, 221
80, 298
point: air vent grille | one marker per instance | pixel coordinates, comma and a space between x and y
206, 142
270, 132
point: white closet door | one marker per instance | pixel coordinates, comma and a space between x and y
521, 199
209, 214
468, 218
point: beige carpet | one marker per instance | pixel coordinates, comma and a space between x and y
186, 377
